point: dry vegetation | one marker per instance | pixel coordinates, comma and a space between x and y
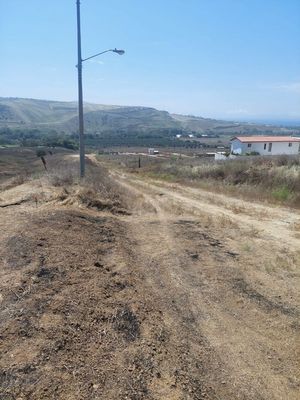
97, 190
60, 181
275, 179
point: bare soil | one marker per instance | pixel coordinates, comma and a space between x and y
184, 296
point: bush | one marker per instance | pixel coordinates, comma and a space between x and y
40, 153
281, 194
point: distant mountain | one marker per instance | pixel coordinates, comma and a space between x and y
106, 119
214, 126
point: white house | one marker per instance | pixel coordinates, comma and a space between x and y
265, 145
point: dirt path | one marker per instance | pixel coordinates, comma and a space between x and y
275, 222
235, 317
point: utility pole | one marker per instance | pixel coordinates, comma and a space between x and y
80, 96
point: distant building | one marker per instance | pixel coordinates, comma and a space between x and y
265, 145
152, 152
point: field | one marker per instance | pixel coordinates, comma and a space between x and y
139, 283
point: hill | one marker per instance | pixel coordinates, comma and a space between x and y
32, 113
214, 126
110, 119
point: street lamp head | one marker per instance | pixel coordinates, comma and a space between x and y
120, 52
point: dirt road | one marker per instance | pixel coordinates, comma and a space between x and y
187, 296
226, 274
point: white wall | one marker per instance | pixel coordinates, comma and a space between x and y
277, 148
236, 146
220, 157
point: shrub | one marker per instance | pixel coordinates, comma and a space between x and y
41, 153
281, 194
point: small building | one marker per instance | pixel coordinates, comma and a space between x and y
152, 152
265, 145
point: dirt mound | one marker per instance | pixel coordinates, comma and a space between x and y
89, 198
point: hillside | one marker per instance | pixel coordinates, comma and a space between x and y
214, 126
125, 119
31, 113
18, 111
99, 119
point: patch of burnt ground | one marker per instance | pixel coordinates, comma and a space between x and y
78, 321
126, 322
18, 255
203, 240
59, 317
73, 321
245, 289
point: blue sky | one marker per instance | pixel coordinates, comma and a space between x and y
233, 59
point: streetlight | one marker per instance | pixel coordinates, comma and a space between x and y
80, 96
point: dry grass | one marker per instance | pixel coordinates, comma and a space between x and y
15, 181
60, 182
275, 179
97, 190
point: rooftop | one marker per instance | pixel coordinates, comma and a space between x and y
253, 139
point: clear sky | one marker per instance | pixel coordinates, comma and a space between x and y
233, 59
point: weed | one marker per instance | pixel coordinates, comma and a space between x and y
253, 232
238, 209
246, 247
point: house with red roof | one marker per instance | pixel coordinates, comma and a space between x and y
265, 145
